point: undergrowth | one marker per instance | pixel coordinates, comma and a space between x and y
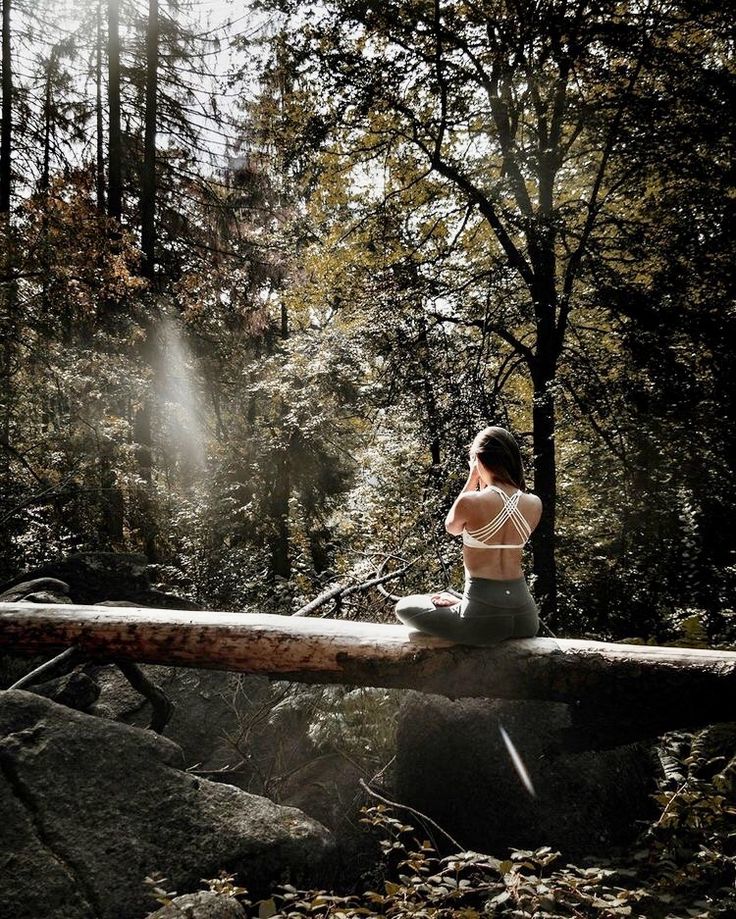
683, 865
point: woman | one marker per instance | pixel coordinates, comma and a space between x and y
496, 517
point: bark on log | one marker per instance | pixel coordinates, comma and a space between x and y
617, 692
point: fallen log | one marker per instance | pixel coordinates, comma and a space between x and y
616, 691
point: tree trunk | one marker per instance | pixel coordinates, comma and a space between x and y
545, 486
111, 504
8, 332
550, 337
45, 180
8, 289
44, 184
115, 180
150, 350
280, 493
433, 419
7, 109
604, 684
100, 140
319, 539
279, 514
284, 322
148, 185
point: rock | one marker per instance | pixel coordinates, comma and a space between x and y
56, 590
45, 596
75, 689
205, 904
12, 666
220, 720
96, 806
325, 787
453, 765
254, 734
93, 577
26, 856
206, 707
86, 577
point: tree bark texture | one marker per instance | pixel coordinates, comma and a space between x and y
144, 509
545, 487
9, 310
430, 402
99, 120
48, 119
279, 515
112, 517
7, 110
148, 185
616, 692
115, 149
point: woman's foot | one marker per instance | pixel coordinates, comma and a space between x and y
444, 599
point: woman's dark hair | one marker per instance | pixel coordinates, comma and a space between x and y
497, 449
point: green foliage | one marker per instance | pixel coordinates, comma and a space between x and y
359, 723
419, 882
157, 888
224, 886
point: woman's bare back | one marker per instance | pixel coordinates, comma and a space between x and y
484, 506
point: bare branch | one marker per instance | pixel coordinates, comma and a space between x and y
341, 590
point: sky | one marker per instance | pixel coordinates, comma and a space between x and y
41, 26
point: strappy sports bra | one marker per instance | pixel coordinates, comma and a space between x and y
510, 511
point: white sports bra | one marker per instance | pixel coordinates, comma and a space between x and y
510, 511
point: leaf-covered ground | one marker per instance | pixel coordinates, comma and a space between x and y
682, 867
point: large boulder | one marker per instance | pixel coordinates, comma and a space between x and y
37, 590
221, 720
327, 787
76, 690
256, 734
100, 578
92, 577
454, 765
93, 807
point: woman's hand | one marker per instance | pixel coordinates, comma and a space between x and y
473, 477
443, 599
455, 520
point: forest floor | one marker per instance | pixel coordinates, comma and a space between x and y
682, 866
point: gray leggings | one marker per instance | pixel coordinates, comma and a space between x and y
487, 612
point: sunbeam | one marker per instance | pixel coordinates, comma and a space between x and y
518, 762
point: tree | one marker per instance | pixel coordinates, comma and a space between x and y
7, 114
148, 184
115, 153
526, 115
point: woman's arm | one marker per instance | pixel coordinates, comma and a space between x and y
455, 520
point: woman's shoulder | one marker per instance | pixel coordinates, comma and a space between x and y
483, 501
535, 499
534, 504
472, 501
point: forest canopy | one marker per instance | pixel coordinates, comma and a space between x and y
263, 281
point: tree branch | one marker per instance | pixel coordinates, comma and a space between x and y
523, 350
473, 193
611, 140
